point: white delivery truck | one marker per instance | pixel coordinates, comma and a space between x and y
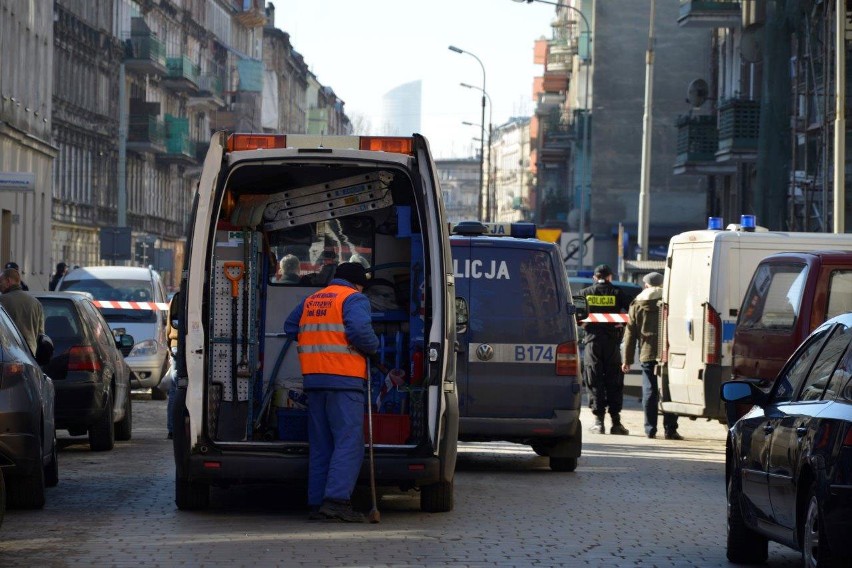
707, 273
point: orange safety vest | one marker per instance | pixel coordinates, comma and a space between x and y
323, 347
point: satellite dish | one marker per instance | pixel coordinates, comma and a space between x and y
751, 44
697, 92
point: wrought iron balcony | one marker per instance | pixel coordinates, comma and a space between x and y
710, 13
739, 127
697, 142
209, 94
146, 133
181, 75
144, 52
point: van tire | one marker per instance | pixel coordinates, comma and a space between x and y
124, 428
563, 464
541, 450
191, 495
437, 497
102, 432
744, 545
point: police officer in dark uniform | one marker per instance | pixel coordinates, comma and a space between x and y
602, 354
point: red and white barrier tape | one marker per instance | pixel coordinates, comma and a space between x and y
130, 305
607, 318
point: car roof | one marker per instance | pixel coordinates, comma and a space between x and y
73, 296
826, 255
102, 272
501, 242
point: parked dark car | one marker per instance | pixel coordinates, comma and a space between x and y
91, 376
28, 454
789, 459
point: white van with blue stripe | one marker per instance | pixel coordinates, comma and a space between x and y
518, 372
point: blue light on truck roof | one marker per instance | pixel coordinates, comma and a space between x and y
715, 223
748, 222
523, 230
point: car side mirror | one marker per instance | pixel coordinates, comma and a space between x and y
738, 392
581, 309
44, 350
462, 315
124, 341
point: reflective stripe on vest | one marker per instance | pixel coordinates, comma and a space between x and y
323, 347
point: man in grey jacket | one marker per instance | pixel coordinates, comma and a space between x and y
22, 307
643, 329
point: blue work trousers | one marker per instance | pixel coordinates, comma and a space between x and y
651, 401
336, 437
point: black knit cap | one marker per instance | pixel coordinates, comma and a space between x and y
12, 265
602, 271
351, 272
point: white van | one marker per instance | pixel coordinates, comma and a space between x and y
272, 218
707, 274
132, 299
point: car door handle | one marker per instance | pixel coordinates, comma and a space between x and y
767, 429
801, 431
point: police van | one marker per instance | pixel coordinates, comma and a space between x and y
518, 369
266, 203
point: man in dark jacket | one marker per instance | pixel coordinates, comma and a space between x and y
57, 276
333, 328
14, 265
22, 307
601, 356
643, 329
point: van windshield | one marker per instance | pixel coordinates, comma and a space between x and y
116, 291
774, 297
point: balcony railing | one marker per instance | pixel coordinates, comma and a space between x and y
146, 133
144, 52
739, 127
697, 143
209, 94
179, 146
710, 13
181, 74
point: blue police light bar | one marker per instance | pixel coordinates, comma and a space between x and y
715, 223
748, 222
523, 230
516, 230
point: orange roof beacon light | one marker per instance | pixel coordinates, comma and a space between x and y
241, 142
395, 144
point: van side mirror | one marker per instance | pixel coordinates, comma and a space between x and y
582, 310
462, 315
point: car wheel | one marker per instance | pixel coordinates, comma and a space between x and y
102, 432
191, 495
51, 470
563, 464
124, 428
26, 492
157, 394
744, 545
437, 497
815, 551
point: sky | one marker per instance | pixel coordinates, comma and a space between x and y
364, 48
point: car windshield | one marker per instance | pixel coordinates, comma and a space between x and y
60, 319
116, 290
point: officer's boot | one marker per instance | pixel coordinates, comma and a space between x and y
598, 428
617, 427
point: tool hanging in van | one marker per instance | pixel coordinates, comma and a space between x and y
243, 365
232, 417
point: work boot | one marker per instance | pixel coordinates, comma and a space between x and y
673, 435
617, 428
598, 428
334, 510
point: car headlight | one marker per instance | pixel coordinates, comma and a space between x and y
143, 348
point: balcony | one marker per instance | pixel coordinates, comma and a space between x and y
180, 149
181, 75
209, 93
146, 133
556, 138
143, 50
697, 142
710, 14
252, 14
739, 127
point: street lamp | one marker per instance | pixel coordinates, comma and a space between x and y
482, 124
586, 132
489, 203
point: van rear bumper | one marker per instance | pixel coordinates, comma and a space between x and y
265, 467
563, 424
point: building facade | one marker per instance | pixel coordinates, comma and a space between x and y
459, 181
508, 178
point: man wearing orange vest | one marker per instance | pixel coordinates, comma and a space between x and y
334, 331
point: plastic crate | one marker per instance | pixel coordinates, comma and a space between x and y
391, 429
292, 425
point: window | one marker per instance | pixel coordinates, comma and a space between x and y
839, 293
774, 297
825, 363
60, 319
793, 375
117, 291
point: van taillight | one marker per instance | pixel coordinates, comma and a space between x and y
663, 347
83, 358
712, 336
567, 359
9, 372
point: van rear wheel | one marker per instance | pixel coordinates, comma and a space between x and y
563, 464
437, 497
191, 495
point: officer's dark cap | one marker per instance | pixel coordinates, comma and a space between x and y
352, 272
12, 265
602, 271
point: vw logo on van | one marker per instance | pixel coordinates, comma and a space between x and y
484, 352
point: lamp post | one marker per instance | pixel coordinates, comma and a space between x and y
586, 133
644, 188
482, 124
488, 201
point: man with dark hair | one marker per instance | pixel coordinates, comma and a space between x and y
334, 332
14, 265
61, 267
22, 307
602, 356
643, 329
